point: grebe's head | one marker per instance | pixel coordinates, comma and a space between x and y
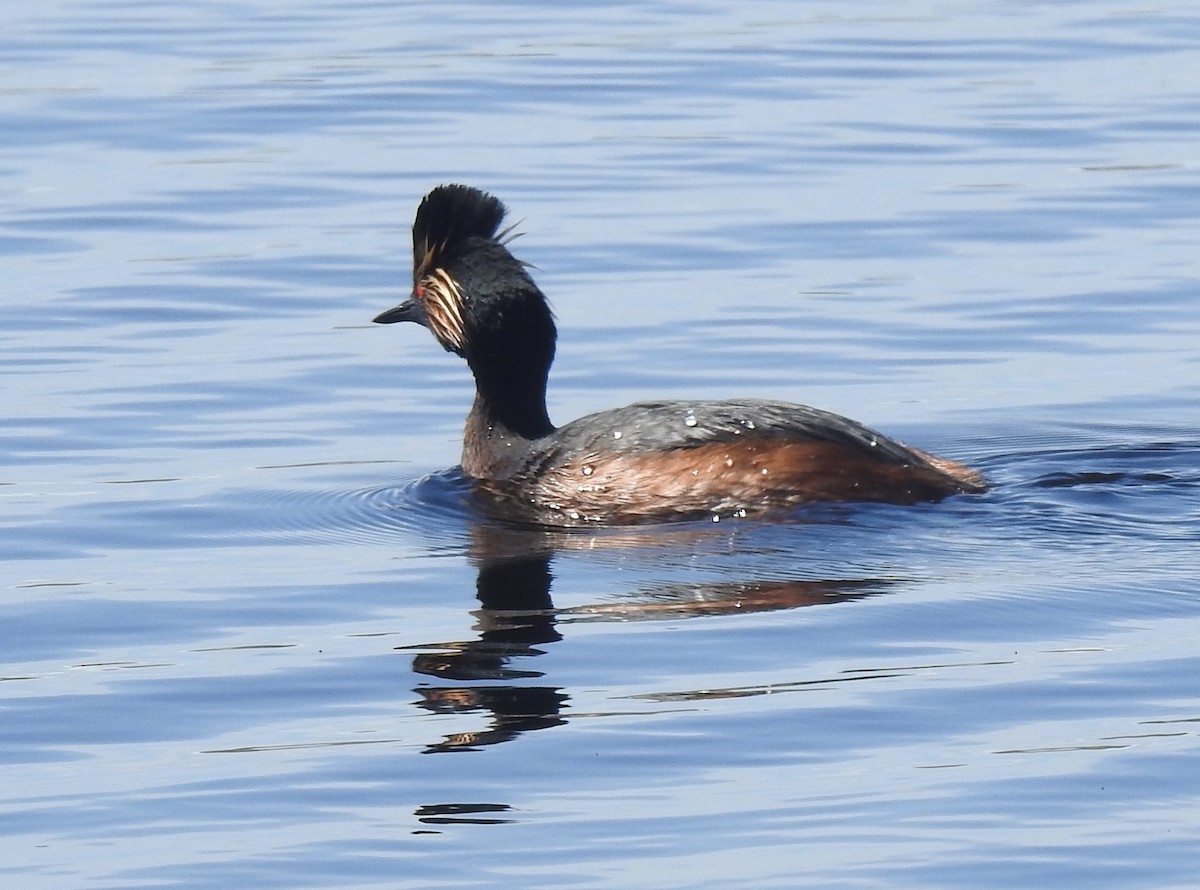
474, 296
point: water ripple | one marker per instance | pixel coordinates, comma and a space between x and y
435, 506
1149, 491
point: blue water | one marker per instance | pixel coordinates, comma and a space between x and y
251, 635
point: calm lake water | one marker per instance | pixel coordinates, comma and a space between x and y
252, 637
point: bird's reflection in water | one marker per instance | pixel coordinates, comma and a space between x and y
517, 619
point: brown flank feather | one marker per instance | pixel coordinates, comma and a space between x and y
725, 478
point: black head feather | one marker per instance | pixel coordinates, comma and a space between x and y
451, 222
480, 303
447, 219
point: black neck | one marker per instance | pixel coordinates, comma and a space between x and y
509, 413
516, 406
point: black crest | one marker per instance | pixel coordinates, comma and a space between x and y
447, 217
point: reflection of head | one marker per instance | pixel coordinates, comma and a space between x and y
514, 710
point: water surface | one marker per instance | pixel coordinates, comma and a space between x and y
252, 634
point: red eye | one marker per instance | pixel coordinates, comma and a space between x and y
419, 291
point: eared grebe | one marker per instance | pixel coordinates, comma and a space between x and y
645, 462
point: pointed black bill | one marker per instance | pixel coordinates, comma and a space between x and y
409, 310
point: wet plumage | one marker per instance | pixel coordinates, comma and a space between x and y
643, 462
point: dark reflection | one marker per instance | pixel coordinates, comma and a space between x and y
513, 710
517, 615
517, 619
462, 814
